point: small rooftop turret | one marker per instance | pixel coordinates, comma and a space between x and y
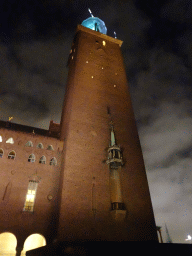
95, 23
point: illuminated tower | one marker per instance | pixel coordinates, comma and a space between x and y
105, 194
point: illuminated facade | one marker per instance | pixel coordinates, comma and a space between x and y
74, 181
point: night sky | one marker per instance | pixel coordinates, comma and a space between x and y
35, 42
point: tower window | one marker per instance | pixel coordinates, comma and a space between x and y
53, 161
11, 155
40, 145
1, 139
31, 158
1, 152
30, 197
50, 147
29, 144
10, 140
104, 43
42, 160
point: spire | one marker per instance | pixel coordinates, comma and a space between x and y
90, 12
168, 236
112, 134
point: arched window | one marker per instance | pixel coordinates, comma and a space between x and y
10, 140
40, 145
11, 155
1, 152
53, 161
31, 158
8, 243
50, 147
1, 139
42, 160
29, 144
32, 242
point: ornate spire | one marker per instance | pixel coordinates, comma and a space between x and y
114, 152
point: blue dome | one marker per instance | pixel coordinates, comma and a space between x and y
96, 24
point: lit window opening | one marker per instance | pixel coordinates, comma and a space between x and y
1, 139
32, 242
42, 160
30, 196
8, 243
10, 140
31, 158
1, 152
53, 161
104, 43
11, 155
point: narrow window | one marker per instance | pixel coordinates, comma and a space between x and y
29, 144
11, 155
30, 197
1, 152
10, 140
40, 145
31, 158
50, 147
108, 111
42, 160
53, 161
1, 139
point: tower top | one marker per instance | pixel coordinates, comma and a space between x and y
95, 23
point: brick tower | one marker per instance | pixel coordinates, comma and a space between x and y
104, 191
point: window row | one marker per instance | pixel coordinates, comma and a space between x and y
42, 160
28, 144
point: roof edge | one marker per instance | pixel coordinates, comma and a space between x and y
96, 33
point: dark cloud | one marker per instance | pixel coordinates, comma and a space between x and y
177, 11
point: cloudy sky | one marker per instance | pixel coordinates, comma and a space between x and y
35, 41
